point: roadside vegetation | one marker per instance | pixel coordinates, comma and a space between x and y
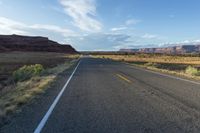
155, 58
30, 75
26, 72
192, 71
181, 65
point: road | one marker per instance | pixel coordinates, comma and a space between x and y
111, 97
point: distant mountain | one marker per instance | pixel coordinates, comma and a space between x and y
35, 44
182, 49
129, 50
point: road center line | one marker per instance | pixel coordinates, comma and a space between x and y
48, 113
124, 78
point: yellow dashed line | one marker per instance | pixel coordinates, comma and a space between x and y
124, 78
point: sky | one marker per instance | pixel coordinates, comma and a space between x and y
104, 24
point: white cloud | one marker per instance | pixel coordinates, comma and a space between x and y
149, 36
196, 41
189, 42
102, 41
132, 21
82, 12
126, 25
8, 26
179, 43
54, 28
118, 28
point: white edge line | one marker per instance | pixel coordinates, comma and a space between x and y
48, 113
165, 75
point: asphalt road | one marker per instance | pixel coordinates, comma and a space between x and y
110, 97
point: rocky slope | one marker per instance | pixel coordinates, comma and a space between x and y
182, 49
35, 44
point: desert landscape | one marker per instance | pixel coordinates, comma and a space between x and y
99, 66
27, 66
187, 65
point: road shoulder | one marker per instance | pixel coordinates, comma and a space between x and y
30, 114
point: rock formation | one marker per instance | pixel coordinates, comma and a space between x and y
35, 44
182, 49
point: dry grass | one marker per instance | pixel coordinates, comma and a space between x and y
25, 91
14, 95
154, 58
22, 93
175, 65
177, 73
11, 61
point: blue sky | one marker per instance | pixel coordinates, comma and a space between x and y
104, 24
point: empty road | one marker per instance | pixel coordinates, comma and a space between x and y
111, 97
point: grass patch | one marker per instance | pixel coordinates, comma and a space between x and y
183, 66
22, 93
30, 80
26, 72
192, 71
154, 58
13, 61
181, 73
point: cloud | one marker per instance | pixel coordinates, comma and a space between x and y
185, 42
82, 12
150, 36
99, 41
9, 26
196, 41
54, 28
118, 28
89, 41
126, 25
132, 21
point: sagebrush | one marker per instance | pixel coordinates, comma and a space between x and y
192, 71
26, 72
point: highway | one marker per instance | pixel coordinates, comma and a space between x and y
103, 96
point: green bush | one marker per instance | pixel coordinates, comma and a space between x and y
192, 71
26, 72
150, 64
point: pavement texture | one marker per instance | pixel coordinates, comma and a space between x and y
105, 96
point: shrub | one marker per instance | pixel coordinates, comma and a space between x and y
151, 64
26, 72
192, 71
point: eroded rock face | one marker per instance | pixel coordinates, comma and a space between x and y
182, 49
27, 43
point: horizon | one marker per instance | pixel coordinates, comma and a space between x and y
104, 25
162, 47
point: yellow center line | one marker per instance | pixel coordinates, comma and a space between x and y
124, 78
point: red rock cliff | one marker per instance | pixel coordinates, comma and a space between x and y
27, 43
